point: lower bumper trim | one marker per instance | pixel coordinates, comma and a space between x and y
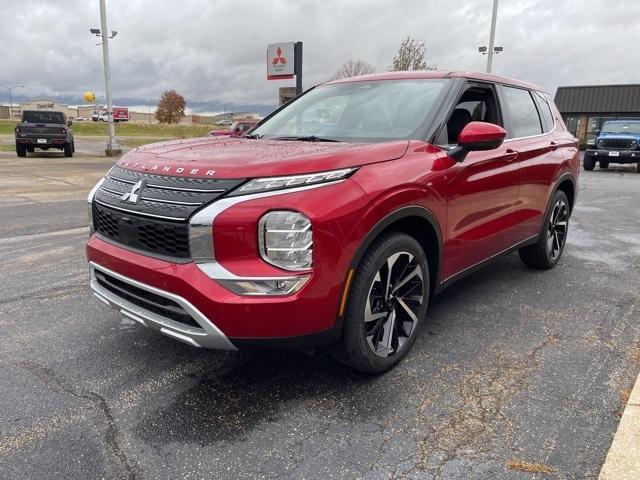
207, 335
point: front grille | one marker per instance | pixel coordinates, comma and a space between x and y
619, 143
157, 223
149, 301
162, 238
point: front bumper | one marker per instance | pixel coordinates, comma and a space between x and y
224, 318
623, 156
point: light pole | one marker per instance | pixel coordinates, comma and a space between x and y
492, 36
11, 89
113, 147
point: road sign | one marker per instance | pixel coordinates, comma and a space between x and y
280, 60
286, 94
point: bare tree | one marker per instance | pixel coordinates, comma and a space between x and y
411, 56
353, 68
170, 107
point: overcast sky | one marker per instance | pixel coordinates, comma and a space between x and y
209, 50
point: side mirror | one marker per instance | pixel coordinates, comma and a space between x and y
477, 136
69, 123
597, 131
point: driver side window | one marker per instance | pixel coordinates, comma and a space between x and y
477, 104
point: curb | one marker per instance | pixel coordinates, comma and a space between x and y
623, 459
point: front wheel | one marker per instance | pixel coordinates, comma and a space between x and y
546, 252
387, 304
589, 162
21, 150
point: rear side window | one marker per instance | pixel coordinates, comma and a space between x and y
545, 111
42, 117
523, 114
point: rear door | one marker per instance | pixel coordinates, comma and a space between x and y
530, 131
482, 190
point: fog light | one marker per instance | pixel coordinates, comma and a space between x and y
285, 286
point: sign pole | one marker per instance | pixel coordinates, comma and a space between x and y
297, 65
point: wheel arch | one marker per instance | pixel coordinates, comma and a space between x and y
567, 184
417, 222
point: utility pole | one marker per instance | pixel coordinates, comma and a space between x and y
11, 89
113, 146
492, 36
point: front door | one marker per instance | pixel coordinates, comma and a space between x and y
481, 191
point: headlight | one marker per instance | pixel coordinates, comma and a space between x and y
278, 183
286, 240
591, 141
600, 143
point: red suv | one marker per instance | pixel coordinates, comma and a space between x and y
334, 220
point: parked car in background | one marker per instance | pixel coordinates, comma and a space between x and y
44, 129
120, 114
237, 129
617, 142
335, 221
224, 123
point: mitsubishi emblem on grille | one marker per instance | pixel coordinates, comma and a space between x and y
134, 195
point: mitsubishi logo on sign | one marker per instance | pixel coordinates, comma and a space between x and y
280, 64
279, 58
134, 195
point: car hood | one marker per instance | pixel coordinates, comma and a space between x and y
231, 157
621, 136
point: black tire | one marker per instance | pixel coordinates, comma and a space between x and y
638, 167
30, 149
604, 164
73, 146
546, 252
589, 163
21, 150
68, 150
401, 313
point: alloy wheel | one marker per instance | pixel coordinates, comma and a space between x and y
557, 230
393, 305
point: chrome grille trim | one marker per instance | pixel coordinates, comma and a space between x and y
161, 197
133, 212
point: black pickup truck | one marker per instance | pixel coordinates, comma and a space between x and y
44, 129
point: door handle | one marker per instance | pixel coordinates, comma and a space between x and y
553, 146
510, 155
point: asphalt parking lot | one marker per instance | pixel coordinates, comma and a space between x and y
513, 366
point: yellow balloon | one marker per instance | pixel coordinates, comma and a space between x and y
89, 97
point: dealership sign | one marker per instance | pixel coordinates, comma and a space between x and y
280, 60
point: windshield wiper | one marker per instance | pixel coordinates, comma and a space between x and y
255, 136
307, 138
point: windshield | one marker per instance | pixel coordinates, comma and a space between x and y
42, 117
622, 127
357, 111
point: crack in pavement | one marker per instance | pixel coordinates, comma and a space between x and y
462, 434
110, 437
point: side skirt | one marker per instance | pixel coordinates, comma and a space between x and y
484, 263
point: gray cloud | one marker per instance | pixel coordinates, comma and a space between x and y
215, 50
